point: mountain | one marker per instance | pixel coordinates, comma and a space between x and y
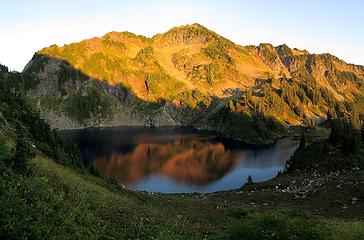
190, 75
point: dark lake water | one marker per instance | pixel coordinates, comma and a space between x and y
178, 160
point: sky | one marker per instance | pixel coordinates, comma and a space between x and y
319, 26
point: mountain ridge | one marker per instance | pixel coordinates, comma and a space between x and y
181, 76
197, 25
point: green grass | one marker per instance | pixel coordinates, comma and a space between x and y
276, 226
349, 230
122, 213
56, 202
51, 102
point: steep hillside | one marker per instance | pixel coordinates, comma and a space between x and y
191, 76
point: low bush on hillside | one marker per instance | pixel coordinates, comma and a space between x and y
276, 226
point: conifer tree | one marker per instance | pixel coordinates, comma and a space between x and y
303, 141
23, 151
249, 181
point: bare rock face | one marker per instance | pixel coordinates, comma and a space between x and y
48, 79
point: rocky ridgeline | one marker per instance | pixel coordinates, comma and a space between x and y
187, 76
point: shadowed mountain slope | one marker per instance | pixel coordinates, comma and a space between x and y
190, 75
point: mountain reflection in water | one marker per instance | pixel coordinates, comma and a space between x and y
177, 160
187, 161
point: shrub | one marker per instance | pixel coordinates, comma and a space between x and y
218, 50
23, 150
344, 133
276, 226
6, 153
93, 104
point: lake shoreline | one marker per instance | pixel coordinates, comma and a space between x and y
178, 160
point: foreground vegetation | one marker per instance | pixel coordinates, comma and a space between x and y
56, 202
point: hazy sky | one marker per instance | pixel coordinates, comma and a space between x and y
318, 26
